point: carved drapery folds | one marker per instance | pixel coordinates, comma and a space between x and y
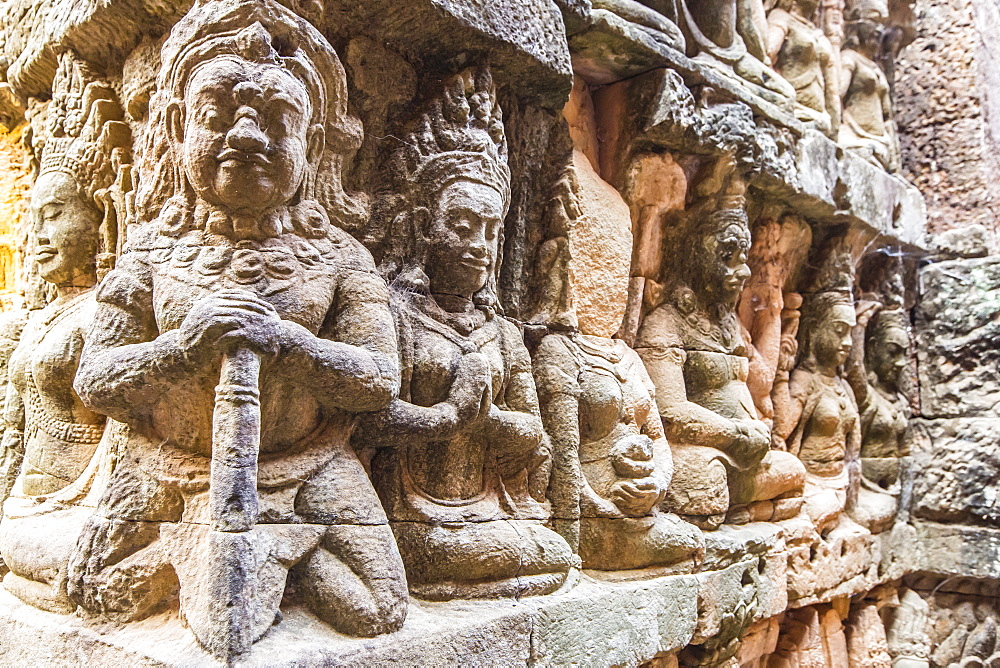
343, 354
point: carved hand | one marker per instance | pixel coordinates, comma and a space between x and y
229, 319
636, 497
470, 396
753, 441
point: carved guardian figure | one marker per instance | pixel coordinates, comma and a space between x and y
237, 338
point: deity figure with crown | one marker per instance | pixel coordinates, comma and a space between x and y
56, 453
875, 371
462, 461
697, 356
237, 338
827, 433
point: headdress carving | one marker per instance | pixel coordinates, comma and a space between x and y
459, 135
831, 286
86, 138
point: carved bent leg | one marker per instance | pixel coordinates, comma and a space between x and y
354, 580
118, 567
37, 549
698, 491
771, 491
630, 543
493, 559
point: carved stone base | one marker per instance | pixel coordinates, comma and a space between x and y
638, 621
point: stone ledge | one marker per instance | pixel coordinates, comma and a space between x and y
965, 551
639, 620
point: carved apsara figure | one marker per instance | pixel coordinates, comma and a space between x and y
463, 460
731, 34
694, 348
868, 124
827, 435
612, 457
882, 341
803, 55
52, 441
238, 336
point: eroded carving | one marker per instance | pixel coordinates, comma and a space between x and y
732, 35
463, 461
803, 55
868, 124
238, 291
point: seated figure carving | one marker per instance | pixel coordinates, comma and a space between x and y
694, 349
804, 56
878, 360
462, 462
54, 455
828, 428
868, 124
731, 35
599, 406
237, 290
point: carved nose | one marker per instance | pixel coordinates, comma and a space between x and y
246, 136
478, 248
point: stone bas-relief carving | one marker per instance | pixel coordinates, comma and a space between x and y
599, 405
731, 34
868, 124
827, 435
282, 449
463, 460
694, 350
235, 339
884, 338
54, 458
803, 55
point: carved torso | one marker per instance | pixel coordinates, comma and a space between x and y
883, 424
829, 418
716, 360
615, 400
800, 59
454, 479
304, 279
60, 433
862, 103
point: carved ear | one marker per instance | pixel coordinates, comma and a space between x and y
175, 121
316, 144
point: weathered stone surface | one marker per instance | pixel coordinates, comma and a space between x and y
957, 329
956, 471
947, 118
963, 242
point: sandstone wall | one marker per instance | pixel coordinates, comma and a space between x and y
947, 115
508, 333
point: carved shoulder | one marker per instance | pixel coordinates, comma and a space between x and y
660, 329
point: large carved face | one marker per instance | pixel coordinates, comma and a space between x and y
725, 269
889, 357
463, 238
245, 138
65, 229
831, 342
